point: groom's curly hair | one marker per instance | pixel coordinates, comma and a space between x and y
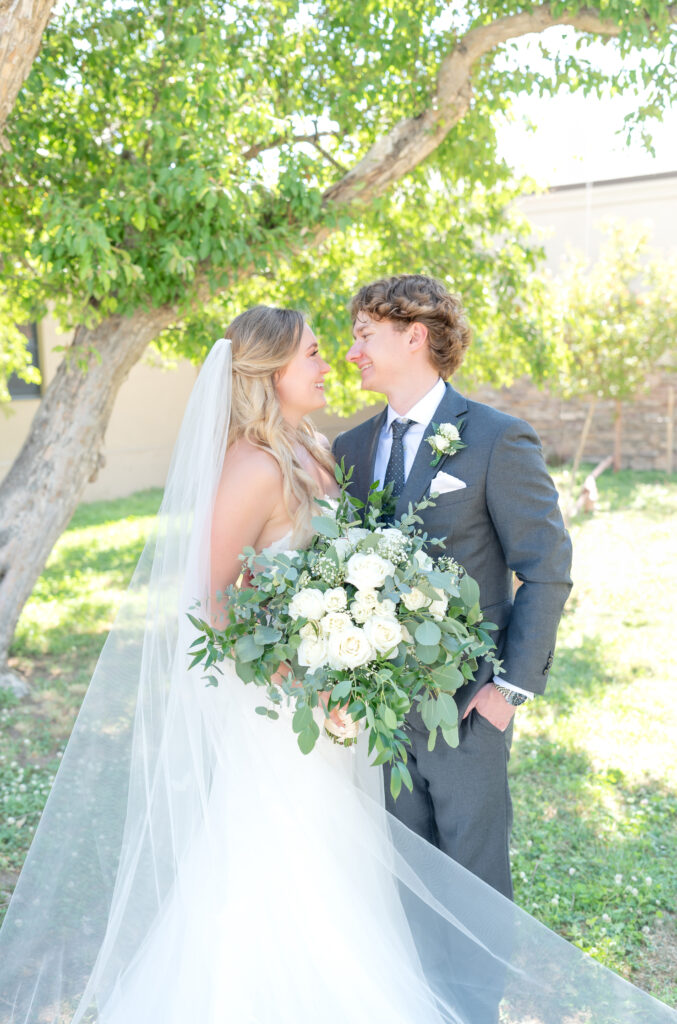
408, 298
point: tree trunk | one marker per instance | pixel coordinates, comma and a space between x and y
618, 436
578, 456
22, 23
60, 455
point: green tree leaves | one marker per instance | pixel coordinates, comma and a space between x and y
164, 154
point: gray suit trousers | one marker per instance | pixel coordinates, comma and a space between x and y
461, 800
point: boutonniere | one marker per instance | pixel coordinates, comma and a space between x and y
446, 440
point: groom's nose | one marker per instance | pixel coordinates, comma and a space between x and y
353, 353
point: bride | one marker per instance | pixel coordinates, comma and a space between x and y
191, 865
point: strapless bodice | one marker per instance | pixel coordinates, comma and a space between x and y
278, 545
283, 543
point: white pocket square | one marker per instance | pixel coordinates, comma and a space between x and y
445, 482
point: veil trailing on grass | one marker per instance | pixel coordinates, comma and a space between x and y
153, 750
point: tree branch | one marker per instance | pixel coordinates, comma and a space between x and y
413, 139
21, 28
280, 140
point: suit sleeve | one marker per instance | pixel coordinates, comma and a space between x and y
523, 504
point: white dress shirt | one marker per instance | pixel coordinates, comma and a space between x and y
421, 413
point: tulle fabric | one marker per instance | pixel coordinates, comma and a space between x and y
191, 865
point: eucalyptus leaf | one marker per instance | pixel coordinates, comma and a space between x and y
342, 689
247, 649
267, 635
469, 590
448, 677
302, 719
326, 526
428, 655
306, 741
428, 633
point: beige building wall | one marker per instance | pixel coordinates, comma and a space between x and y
142, 429
573, 216
151, 402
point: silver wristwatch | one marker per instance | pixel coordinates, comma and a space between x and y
512, 696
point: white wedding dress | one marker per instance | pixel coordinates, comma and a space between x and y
277, 913
192, 866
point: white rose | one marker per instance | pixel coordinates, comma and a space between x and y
423, 560
415, 600
438, 609
356, 534
367, 571
384, 633
307, 604
342, 547
335, 622
365, 604
312, 652
350, 649
335, 599
449, 431
438, 443
387, 608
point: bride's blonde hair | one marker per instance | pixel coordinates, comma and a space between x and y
264, 339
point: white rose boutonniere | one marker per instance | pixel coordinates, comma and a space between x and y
446, 440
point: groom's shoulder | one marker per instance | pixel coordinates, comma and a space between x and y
495, 418
355, 436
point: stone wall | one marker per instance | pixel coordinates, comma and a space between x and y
559, 423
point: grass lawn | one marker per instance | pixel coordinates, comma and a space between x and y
594, 778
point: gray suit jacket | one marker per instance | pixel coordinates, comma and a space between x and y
506, 519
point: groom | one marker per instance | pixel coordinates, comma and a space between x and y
497, 508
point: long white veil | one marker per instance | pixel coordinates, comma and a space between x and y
133, 790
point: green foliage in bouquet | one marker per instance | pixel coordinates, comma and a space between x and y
363, 620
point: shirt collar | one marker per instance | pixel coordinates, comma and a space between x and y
424, 409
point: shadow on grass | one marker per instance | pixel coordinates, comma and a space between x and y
78, 560
592, 856
580, 671
97, 513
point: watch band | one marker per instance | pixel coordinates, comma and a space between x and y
512, 696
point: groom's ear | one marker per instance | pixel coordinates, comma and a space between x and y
419, 336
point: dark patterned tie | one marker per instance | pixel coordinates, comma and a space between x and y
395, 468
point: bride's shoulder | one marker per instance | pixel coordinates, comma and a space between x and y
245, 464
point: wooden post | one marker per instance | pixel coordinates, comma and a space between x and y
670, 429
618, 435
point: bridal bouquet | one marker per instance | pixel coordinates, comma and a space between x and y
363, 621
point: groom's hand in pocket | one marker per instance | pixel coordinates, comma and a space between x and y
493, 706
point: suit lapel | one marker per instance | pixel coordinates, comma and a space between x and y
364, 467
422, 471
